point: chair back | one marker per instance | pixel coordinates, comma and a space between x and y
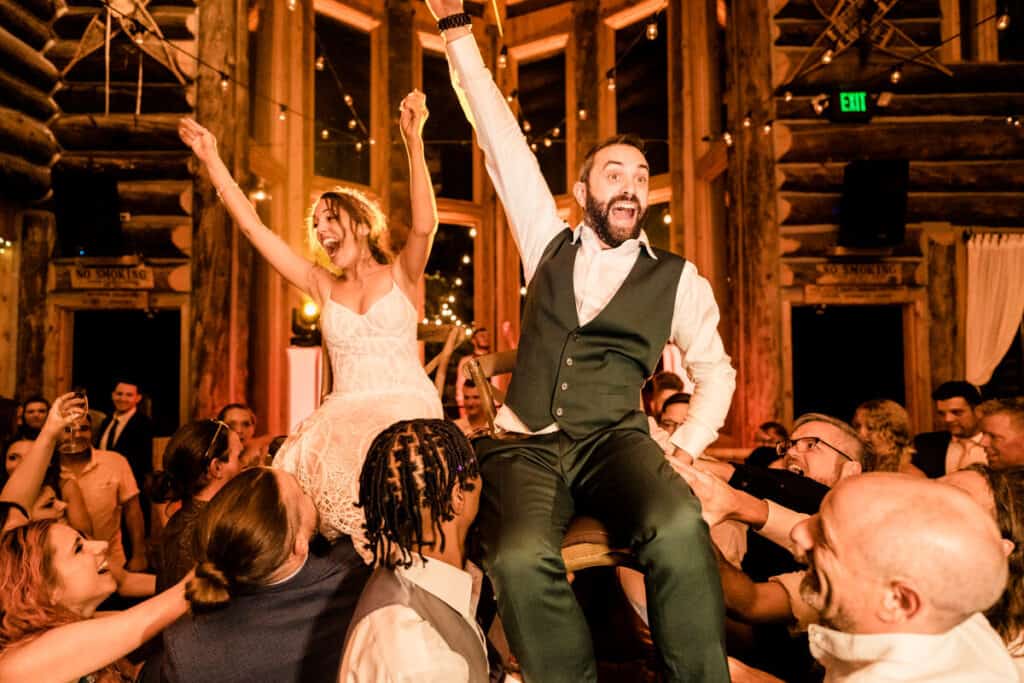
481, 369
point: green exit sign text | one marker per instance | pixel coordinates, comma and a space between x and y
853, 102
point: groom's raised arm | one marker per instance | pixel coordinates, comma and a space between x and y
512, 167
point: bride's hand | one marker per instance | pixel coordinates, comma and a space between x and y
413, 115
202, 141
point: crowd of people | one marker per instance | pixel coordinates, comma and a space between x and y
382, 542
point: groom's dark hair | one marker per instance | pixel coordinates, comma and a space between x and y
621, 139
411, 470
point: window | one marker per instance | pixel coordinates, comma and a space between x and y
657, 224
448, 137
449, 276
641, 93
342, 74
542, 114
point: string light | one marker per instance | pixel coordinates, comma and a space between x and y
503, 57
748, 120
282, 114
472, 233
611, 78
727, 138
533, 146
581, 114
352, 124
556, 131
324, 134
827, 56
320, 63
466, 259
788, 96
291, 5
140, 36
224, 81
1003, 22
359, 145
652, 29
458, 282
767, 127
527, 127
260, 194
547, 142
348, 99
667, 219
895, 75
522, 291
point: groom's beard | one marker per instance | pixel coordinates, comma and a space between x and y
598, 216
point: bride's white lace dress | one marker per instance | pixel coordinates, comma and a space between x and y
378, 380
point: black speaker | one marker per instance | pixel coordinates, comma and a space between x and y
873, 209
87, 208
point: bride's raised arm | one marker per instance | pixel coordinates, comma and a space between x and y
413, 258
289, 264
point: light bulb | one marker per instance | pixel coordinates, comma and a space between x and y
652, 30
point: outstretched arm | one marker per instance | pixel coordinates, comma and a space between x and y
68, 652
290, 265
512, 167
23, 486
413, 259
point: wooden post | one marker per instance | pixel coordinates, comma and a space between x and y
401, 41
754, 247
219, 348
37, 237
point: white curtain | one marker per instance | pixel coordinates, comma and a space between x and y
995, 300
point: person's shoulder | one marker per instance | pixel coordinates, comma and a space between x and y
108, 458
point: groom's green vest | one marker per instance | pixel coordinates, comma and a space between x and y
585, 378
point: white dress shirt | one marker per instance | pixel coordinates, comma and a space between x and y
598, 272
962, 453
114, 429
972, 652
395, 645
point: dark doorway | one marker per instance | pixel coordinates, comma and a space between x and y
143, 345
845, 355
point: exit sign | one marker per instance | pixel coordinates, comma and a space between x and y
848, 104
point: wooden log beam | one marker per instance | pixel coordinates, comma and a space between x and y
925, 176
176, 23
46, 10
958, 208
918, 140
23, 24
38, 235
27, 138
157, 98
166, 197
806, 9
924, 31
944, 105
154, 165
21, 180
26, 98
19, 59
174, 230
753, 243
118, 131
124, 61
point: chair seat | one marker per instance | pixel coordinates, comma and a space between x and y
586, 544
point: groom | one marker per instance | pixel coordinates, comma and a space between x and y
600, 307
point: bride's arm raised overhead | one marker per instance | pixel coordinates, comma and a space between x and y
292, 266
412, 260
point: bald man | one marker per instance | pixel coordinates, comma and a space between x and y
899, 570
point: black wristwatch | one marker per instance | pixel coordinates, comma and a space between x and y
454, 21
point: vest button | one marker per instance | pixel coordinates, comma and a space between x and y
558, 412
565, 385
568, 361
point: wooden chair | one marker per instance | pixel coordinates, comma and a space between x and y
586, 543
449, 335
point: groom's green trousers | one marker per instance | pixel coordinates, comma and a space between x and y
534, 485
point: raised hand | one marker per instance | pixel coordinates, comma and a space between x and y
444, 8
65, 411
718, 500
202, 141
413, 115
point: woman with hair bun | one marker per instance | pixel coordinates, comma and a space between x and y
267, 604
367, 293
199, 460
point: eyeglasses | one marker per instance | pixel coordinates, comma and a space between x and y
669, 426
220, 426
805, 444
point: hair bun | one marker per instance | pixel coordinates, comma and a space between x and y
209, 589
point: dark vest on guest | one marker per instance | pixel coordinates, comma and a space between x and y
588, 377
386, 588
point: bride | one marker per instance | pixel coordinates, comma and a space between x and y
365, 295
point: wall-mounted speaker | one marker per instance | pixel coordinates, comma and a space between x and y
873, 209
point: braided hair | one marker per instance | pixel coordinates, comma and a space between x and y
410, 471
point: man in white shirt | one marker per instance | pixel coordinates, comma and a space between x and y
601, 304
415, 621
899, 570
959, 445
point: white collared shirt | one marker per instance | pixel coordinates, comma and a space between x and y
395, 645
598, 273
971, 652
114, 429
962, 453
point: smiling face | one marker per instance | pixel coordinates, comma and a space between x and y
341, 238
958, 416
125, 397
80, 567
614, 196
1003, 440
